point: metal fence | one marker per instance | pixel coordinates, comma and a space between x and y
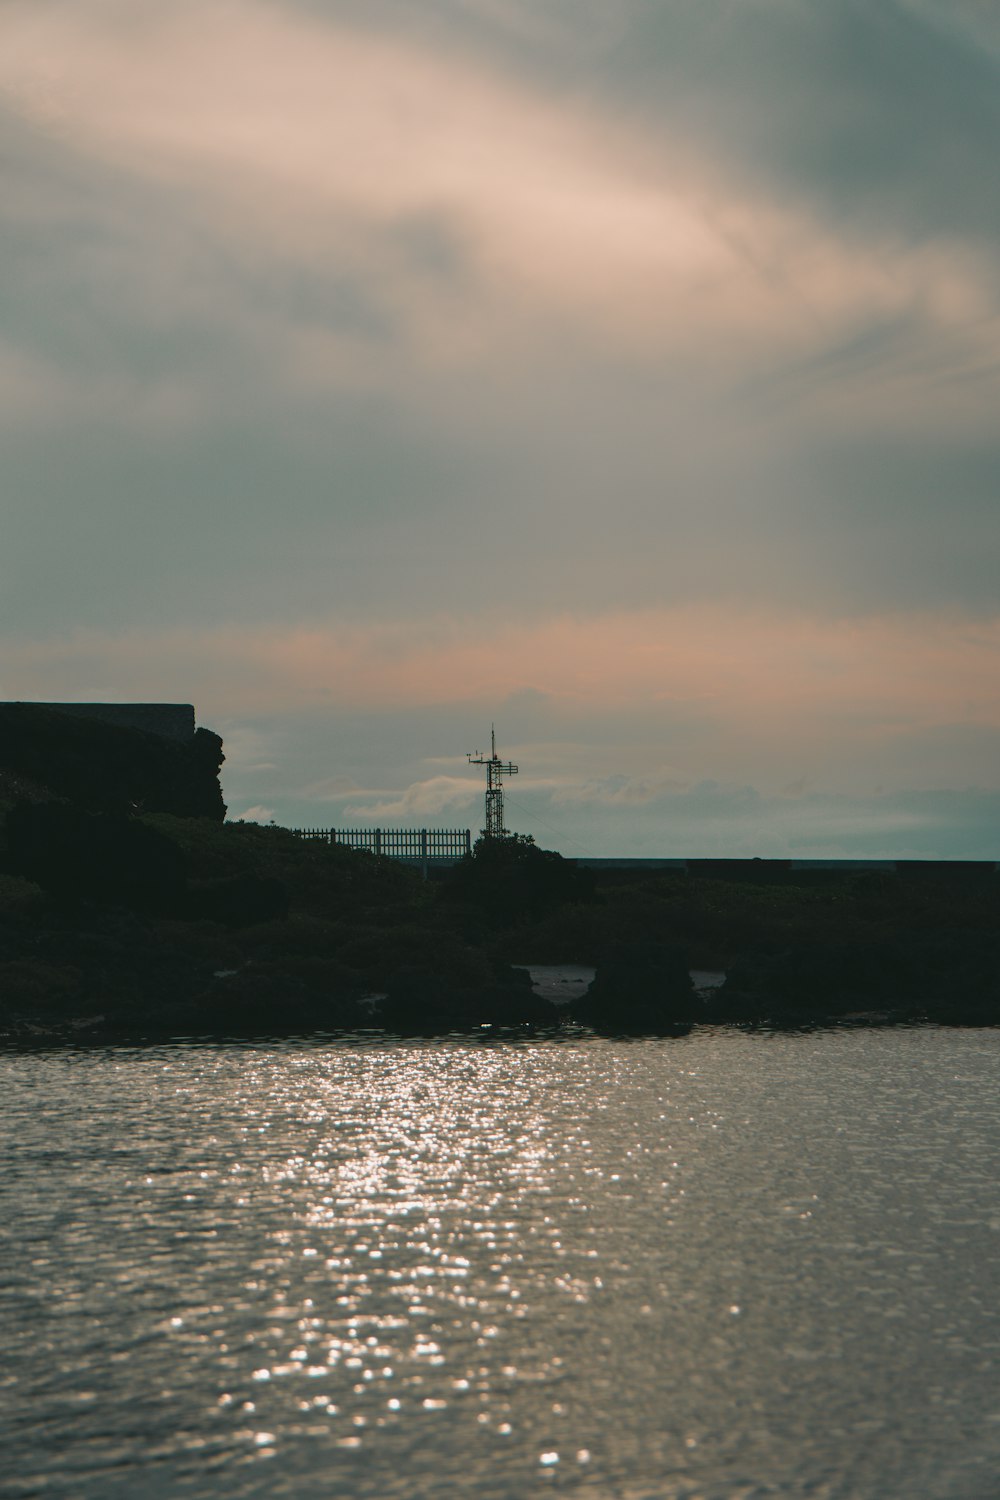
417, 845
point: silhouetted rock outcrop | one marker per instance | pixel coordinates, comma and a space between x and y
952, 978
426, 1002
110, 766
640, 987
274, 998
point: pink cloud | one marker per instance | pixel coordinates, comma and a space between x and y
758, 669
296, 139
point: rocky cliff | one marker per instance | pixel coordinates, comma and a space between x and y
106, 764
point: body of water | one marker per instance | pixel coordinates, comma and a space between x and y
722, 1266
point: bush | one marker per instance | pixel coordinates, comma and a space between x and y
76, 855
239, 901
511, 880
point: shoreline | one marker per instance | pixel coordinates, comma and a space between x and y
195, 928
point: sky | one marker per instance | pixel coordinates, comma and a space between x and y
625, 375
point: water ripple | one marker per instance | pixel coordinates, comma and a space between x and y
721, 1266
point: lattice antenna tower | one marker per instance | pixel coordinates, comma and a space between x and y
496, 770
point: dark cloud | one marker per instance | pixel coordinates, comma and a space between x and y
762, 370
882, 114
889, 524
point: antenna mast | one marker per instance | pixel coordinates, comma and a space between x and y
496, 770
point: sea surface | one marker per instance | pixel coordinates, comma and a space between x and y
722, 1266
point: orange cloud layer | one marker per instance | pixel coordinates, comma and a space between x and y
868, 676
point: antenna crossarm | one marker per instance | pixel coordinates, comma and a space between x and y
496, 770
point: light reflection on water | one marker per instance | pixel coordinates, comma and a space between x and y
722, 1266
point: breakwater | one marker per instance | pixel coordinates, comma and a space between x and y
755, 868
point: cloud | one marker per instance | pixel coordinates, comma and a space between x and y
422, 799
573, 806
882, 114
737, 820
460, 206
303, 298
713, 683
25, 388
253, 815
629, 369
617, 791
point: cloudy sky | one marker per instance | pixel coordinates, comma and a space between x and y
625, 373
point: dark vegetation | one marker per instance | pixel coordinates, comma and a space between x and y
120, 918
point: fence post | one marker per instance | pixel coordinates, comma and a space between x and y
415, 845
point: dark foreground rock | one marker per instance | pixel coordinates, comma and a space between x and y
640, 988
951, 979
421, 1001
135, 925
